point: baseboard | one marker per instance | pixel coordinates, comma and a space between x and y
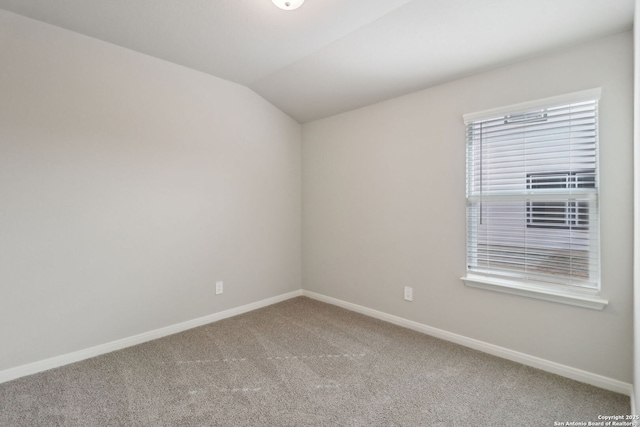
536, 362
66, 359
634, 408
505, 353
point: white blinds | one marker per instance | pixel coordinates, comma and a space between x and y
532, 195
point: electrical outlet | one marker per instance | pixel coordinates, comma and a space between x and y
408, 293
219, 288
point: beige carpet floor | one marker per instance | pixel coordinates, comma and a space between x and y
300, 363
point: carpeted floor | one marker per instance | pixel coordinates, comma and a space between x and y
300, 363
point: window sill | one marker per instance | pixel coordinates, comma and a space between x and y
532, 291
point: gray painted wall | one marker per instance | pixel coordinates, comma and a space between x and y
384, 208
129, 185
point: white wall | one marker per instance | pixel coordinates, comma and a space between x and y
384, 207
636, 252
128, 186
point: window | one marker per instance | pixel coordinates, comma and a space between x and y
532, 199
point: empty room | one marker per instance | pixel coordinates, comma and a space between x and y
319, 213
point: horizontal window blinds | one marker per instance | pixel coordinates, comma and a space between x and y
532, 195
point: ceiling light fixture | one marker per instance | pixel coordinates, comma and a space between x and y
288, 4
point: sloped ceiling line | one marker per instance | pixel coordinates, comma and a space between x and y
331, 56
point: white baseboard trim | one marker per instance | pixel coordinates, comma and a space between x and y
634, 409
76, 356
505, 353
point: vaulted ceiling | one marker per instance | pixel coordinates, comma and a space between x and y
331, 56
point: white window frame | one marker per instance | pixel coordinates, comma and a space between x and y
582, 297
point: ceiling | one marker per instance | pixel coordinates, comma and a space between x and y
331, 56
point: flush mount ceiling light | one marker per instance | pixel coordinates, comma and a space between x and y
288, 4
